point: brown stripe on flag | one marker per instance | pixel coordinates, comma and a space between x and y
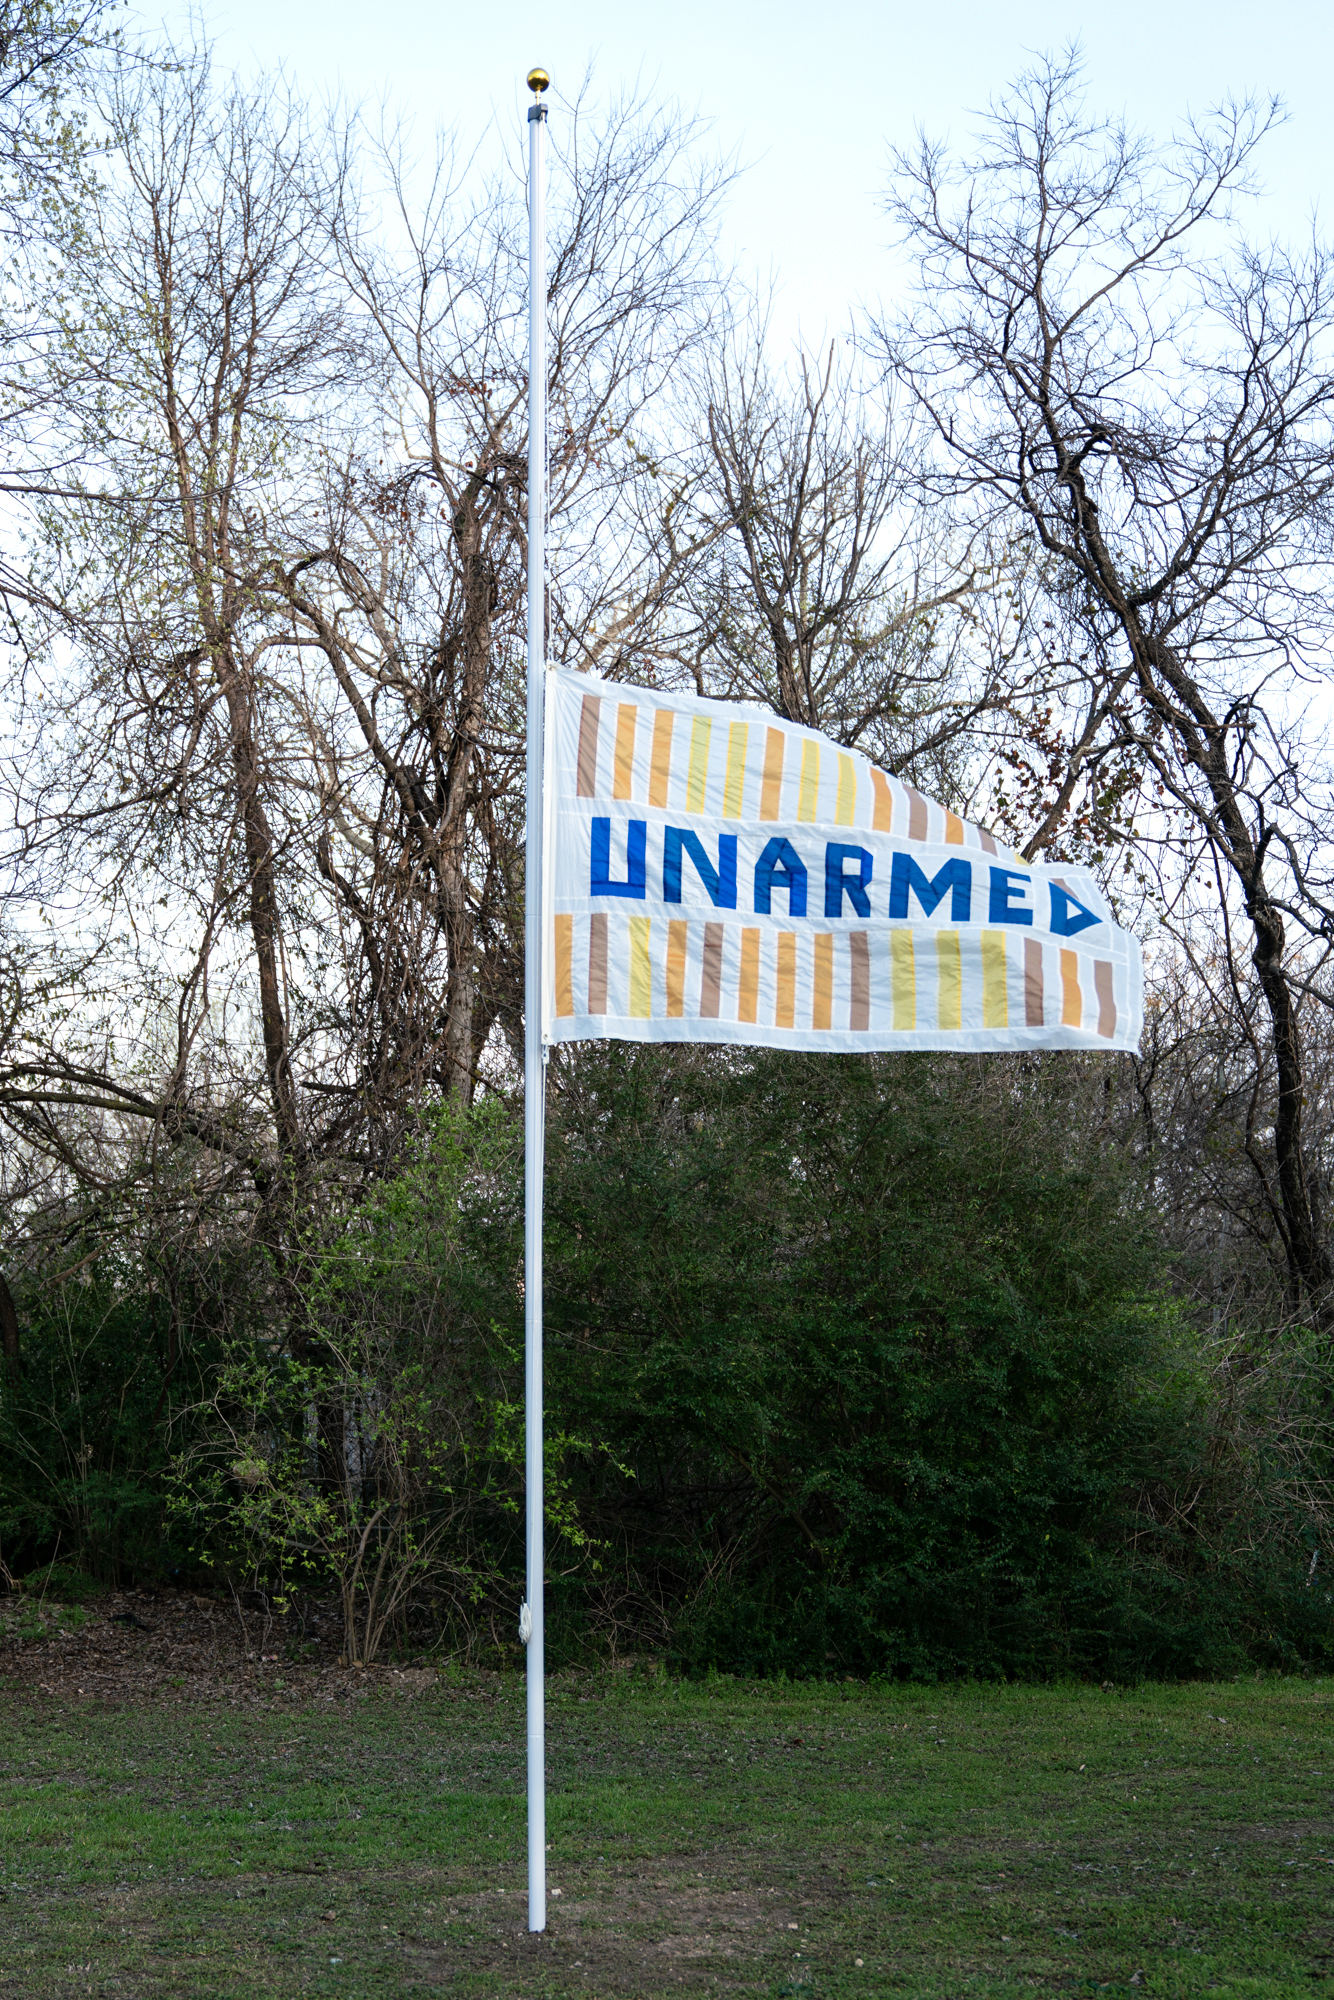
586, 779
916, 815
987, 840
711, 984
676, 971
1033, 1014
1102, 986
859, 1016
597, 963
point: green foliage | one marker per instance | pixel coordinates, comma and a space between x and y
373, 1445
888, 1347
345, 1474
361, 1441
859, 1367
84, 1434
65, 1585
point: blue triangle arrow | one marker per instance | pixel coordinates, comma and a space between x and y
1068, 914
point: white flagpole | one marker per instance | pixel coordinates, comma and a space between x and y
531, 1625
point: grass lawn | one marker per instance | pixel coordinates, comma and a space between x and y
349, 1834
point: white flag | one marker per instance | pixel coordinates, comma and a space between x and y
715, 874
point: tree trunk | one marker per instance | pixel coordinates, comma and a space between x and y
263, 907
1203, 742
9, 1335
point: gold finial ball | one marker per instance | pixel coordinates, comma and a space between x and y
538, 81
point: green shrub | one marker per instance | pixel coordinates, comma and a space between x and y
84, 1436
889, 1348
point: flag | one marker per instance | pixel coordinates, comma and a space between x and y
716, 874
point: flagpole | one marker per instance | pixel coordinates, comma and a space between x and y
532, 1623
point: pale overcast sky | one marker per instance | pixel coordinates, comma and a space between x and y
812, 96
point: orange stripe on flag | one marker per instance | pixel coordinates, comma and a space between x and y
771, 790
748, 986
660, 770
883, 818
1072, 1000
822, 995
564, 964
785, 999
627, 720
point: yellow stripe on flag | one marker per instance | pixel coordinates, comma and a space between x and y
808, 799
698, 776
641, 969
735, 784
995, 985
949, 974
845, 812
904, 980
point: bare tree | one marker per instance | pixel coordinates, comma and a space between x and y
51, 58
415, 596
47, 56
282, 813
820, 593
833, 596
1109, 367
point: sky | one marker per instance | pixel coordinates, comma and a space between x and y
812, 98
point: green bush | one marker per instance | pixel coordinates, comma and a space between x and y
865, 1366
85, 1435
888, 1346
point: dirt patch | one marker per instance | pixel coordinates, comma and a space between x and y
179, 1646
647, 1934
653, 1932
